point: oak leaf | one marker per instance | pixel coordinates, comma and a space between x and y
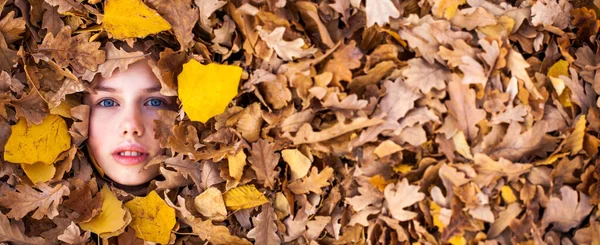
37, 143
379, 12
551, 12
10, 232
401, 195
263, 161
152, 218
265, 228
243, 197
182, 17
11, 27
26, 199
83, 205
205, 9
313, 182
425, 76
446, 8
566, 212
7, 55
463, 108
75, 51
117, 58
72, 235
206, 90
306, 134
132, 18
516, 145
287, 50
345, 58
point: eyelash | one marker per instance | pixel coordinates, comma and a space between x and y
102, 101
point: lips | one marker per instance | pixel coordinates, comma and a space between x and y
130, 154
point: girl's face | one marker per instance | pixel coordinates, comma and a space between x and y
121, 131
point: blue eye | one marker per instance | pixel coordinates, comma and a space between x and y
154, 102
107, 103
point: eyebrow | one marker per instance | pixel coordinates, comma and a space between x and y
114, 90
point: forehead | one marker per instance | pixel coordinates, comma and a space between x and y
138, 76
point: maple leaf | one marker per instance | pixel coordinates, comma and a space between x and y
567, 212
287, 50
265, 228
401, 195
379, 12
263, 161
313, 182
26, 199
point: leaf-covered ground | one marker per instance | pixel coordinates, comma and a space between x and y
376, 121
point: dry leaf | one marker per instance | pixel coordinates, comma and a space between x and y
265, 229
379, 12
152, 218
112, 219
567, 206
132, 18
399, 196
210, 204
27, 199
243, 197
313, 182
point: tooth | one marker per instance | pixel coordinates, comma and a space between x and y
135, 154
127, 153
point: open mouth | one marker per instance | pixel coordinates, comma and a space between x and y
130, 154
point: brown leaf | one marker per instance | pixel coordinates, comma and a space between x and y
26, 199
51, 19
313, 182
11, 27
76, 51
306, 134
7, 55
10, 232
72, 235
83, 205
265, 229
515, 145
32, 107
263, 161
345, 58
567, 206
463, 108
425, 76
117, 58
163, 127
66, 5
181, 15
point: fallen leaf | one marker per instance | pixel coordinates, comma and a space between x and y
37, 143
236, 164
402, 195
132, 18
182, 17
463, 108
313, 182
210, 204
551, 12
112, 219
39, 171
425, 76
243, 197
263, 161
75, 51
559, 209
446, 8
197, 89
72, 235
26, 199
118, 58
299, 164
379, 12
265, 228
287, 50
11, 232
152, 218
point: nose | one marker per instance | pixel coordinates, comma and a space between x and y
132, 122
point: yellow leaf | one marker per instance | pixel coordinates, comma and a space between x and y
205, 90
131, 19
38, 143
210, 204
435, 212
299, 163
458, 240
508, 195
461, 145
39, 171
402, 168
505, 23
153, 219
561, 67
112, 217
379, 182
574, 142
243, 197
236, 164
446, 8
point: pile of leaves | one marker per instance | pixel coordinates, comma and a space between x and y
376, 121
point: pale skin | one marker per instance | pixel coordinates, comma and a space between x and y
121, 129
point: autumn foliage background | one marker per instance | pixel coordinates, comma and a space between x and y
376, 121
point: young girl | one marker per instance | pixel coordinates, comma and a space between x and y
121, 131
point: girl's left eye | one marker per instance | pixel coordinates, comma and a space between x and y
154, 102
